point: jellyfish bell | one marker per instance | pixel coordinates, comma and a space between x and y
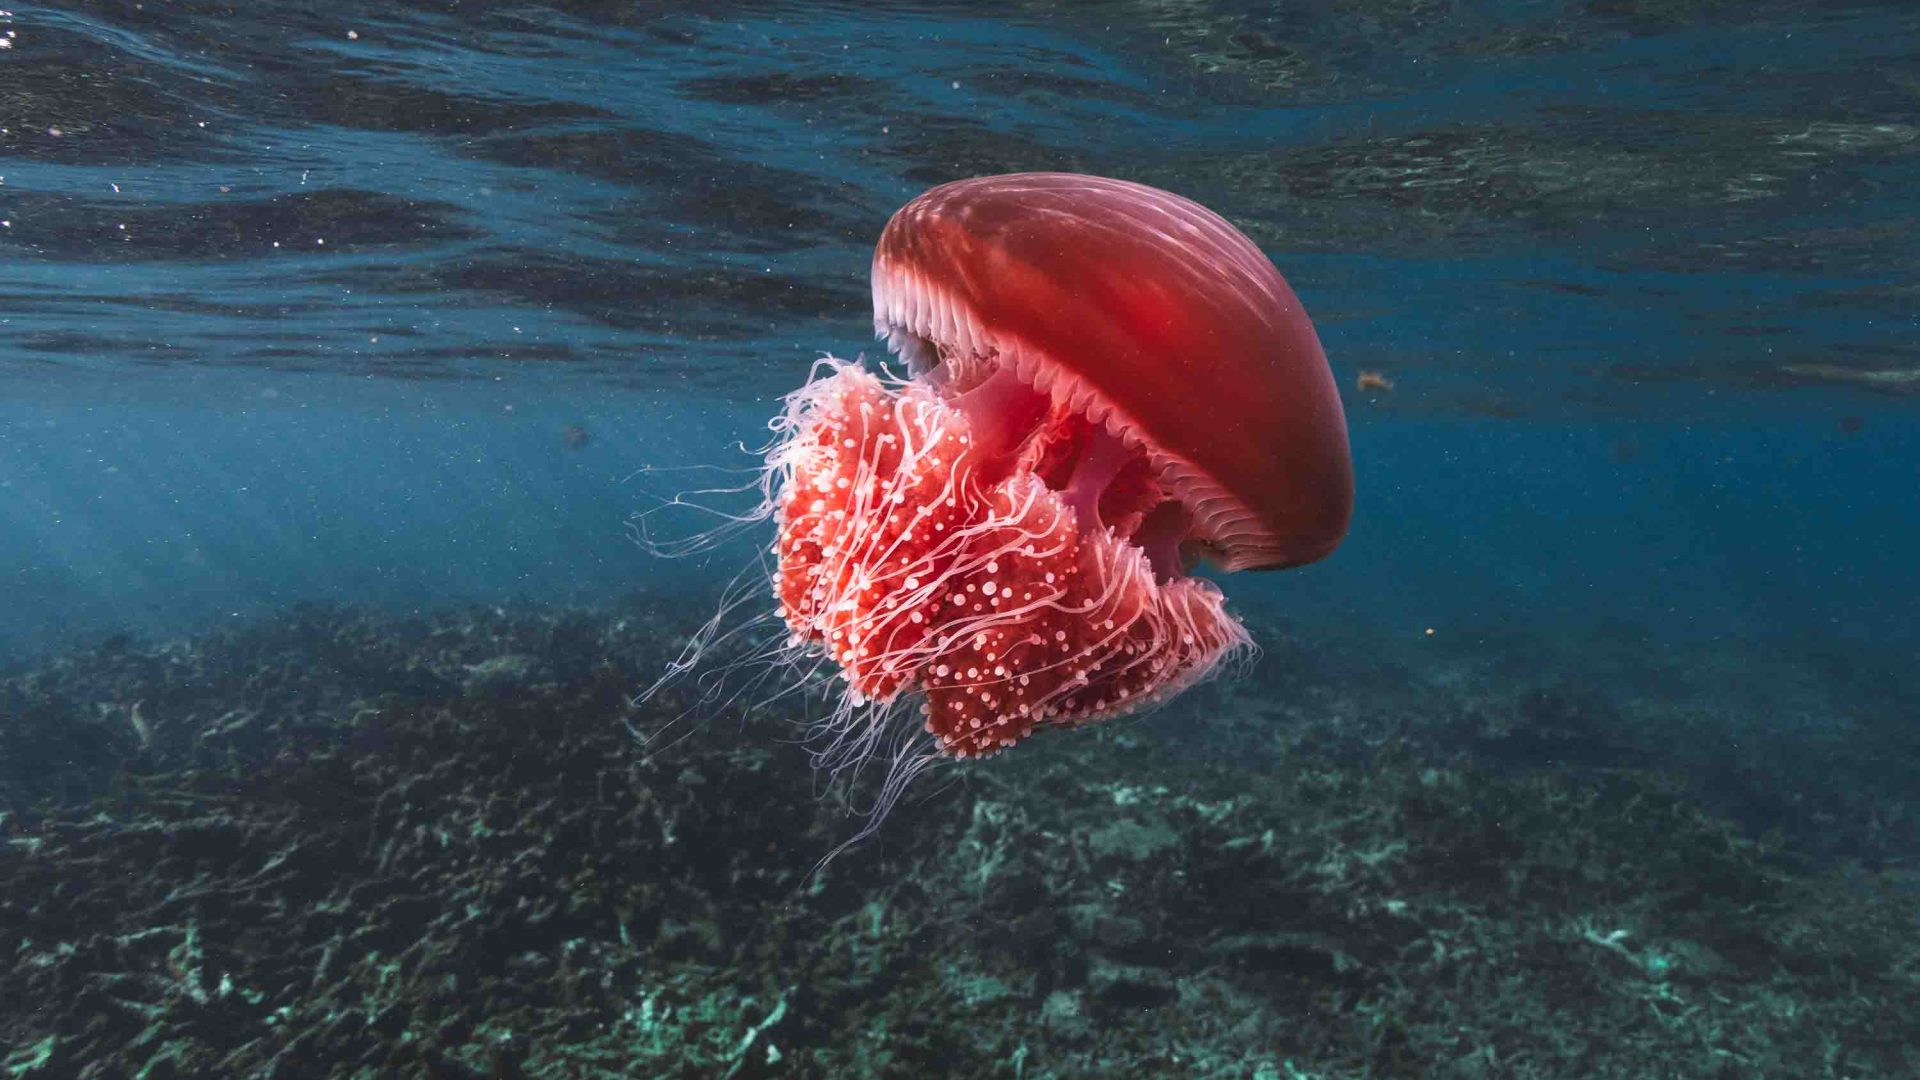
1149, 314
1107, 382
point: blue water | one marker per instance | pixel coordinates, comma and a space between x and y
297, 303
403, 306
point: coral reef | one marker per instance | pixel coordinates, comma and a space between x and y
340, 844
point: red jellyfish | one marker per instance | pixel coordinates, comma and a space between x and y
1108, 383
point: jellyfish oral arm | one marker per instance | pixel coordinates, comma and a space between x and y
1012, 424
1102, 456
976, 565
1003, 413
